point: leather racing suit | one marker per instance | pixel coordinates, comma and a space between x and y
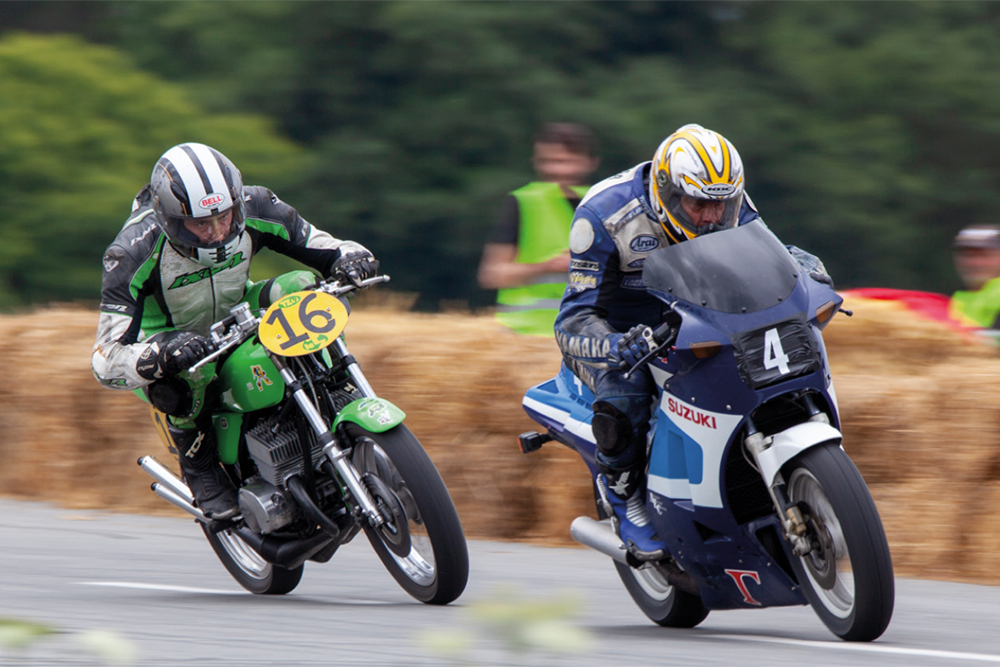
150, 288
613, 231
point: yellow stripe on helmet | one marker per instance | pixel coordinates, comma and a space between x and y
698, 145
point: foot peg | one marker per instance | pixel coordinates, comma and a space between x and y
532, 441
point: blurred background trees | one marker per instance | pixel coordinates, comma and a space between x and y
870, 131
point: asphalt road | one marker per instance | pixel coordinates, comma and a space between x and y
156, 585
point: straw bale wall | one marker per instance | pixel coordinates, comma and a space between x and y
919, 404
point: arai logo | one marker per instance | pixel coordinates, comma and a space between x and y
212, 200
644, 243
718, 189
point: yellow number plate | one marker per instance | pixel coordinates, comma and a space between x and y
302, 323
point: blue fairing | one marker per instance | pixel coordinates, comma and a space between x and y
707, 504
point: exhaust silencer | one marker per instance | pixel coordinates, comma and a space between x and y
598, 535
164, 476
170, 487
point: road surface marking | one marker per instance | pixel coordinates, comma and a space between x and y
866, 648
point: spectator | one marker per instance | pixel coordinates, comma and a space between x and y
527, 256
977, 260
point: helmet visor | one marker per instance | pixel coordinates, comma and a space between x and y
701, 216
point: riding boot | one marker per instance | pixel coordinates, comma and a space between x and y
213, 491
624, 491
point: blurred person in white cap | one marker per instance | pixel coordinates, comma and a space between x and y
977, 260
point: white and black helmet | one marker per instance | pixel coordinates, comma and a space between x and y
193, 181
698, 163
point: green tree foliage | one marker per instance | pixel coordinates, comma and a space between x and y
883, 139
80, 129
419, 115
869, 130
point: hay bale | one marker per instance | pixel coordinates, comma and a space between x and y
917, 403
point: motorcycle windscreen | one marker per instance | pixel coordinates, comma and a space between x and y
741, 270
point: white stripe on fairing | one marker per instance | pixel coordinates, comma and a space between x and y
675, 489
863, 648
187, 172
576, 427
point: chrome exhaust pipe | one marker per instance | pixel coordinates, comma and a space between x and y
170, 487
600, 536
164, 476
176, 500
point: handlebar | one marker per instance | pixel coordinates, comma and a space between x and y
242, 322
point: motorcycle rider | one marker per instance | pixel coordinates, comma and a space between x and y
694, 185
178, 265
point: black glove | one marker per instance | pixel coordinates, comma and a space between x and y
631, 347
173, 356
355, 266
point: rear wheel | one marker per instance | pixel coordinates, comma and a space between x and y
247, 567
661, 602
421, 544
847, 577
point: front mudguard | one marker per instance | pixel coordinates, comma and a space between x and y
791, 442
375, 415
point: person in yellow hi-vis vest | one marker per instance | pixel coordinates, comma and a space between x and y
527, 256
977, 260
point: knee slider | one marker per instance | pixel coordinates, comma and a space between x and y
612, 429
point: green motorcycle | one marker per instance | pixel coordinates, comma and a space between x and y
317, 456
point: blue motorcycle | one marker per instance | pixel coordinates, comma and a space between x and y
747, 484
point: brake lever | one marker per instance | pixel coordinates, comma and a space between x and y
669, 332
337, 289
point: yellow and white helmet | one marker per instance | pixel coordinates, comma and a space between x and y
698, 163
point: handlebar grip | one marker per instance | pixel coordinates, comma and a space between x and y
663, 333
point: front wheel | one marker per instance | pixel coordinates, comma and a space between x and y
847, 577
247, 567
421, 544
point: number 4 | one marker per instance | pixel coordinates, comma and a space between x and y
774, 355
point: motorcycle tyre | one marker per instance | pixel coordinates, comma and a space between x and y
669, 607
249, 569
438, 517
863, 535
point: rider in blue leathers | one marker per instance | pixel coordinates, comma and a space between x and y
694, 185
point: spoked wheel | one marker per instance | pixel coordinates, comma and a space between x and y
661, 602
247, 567
422, 543
847, 577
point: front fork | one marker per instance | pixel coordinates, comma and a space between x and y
792, 522
333, 449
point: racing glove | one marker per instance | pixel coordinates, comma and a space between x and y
355, 266
174, 356
631, 347
812, 265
